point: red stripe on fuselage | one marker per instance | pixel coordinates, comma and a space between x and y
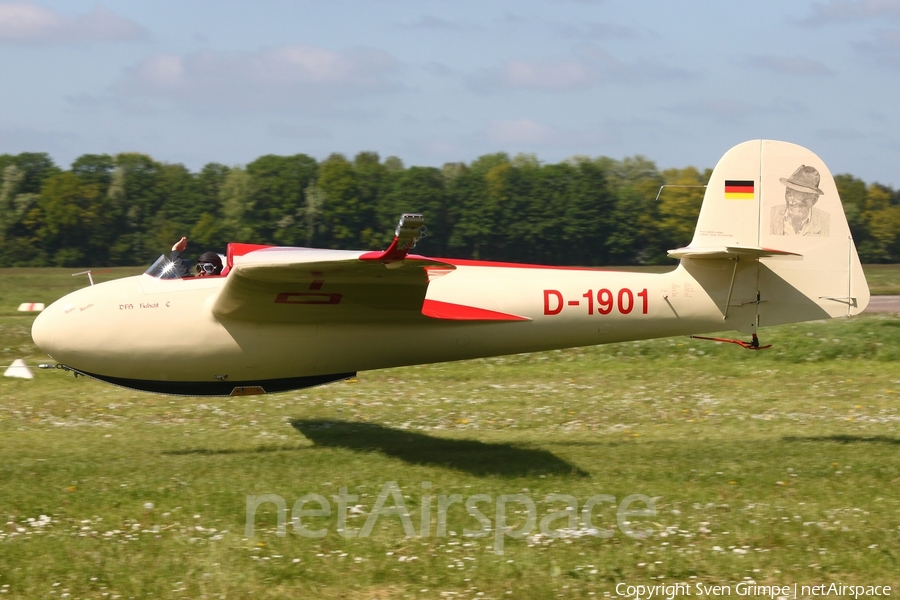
459, 312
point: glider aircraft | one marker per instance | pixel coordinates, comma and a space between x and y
771, 246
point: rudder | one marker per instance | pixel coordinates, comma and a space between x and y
774, 210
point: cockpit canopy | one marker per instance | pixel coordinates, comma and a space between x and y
163, 268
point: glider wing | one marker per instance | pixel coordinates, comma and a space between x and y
305, 285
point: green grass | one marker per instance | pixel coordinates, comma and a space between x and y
20, 285
883, 279
778, 465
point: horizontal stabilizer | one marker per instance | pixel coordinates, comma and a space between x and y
727, 252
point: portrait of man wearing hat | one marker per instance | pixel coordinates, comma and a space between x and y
798, 215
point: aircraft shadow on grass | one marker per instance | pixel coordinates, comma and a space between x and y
470, 456
847, 439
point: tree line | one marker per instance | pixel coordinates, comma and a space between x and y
128, 208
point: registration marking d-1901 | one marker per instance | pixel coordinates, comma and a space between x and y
624, 301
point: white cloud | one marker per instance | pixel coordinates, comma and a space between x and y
509, 18
299, 132
288, 76
25, 23
594, 31
438, 69
885, 48
162, 70
26, 139
790, 65
720, 107
841, 135
556, 75
730, 110
527, 134
565, 74
593, 66
844, 10
440, 148
439, 24
523, 132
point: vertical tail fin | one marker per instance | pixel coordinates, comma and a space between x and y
773, 239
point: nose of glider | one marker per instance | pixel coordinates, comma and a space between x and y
42, 331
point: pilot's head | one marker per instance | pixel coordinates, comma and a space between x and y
209, 264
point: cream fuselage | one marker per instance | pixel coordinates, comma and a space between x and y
146, 329
285, 318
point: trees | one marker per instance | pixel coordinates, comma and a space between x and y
679, 204
74, 228
873, 213
636, 236
134, 200
126, 209
209, 231
23, 175
343, 216
417, 190
276, 186
237, 206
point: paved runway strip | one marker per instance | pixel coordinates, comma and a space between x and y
883, 304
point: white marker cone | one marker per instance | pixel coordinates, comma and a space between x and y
18, 369
31, 307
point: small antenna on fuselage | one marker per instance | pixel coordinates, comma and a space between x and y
88, 272
675, 185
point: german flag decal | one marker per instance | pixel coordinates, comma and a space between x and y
738, 190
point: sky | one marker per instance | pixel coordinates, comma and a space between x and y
435, 81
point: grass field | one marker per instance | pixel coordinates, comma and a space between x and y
21, 285
774, 467
883, 279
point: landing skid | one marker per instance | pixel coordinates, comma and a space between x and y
751, 345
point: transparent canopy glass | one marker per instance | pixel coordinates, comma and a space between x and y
163, 268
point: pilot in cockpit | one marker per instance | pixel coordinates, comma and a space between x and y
208, 265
